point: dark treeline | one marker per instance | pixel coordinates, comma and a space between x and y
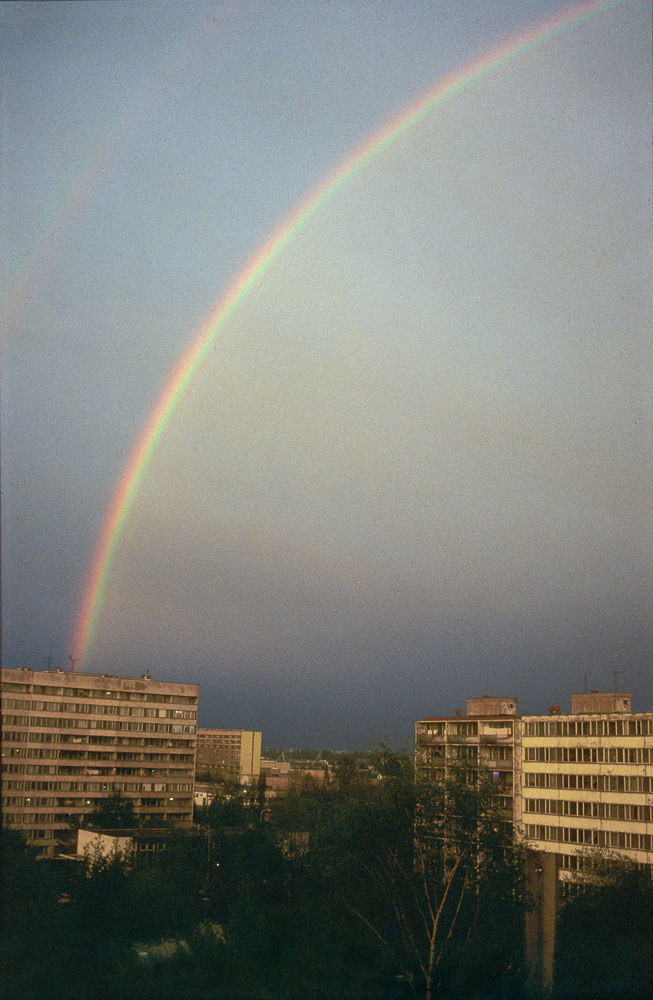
359, 888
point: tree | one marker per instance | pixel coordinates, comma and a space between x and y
433, 873
113, 812
345, 772
603, 944
29, 890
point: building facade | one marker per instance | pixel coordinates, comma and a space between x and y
484, 737
572, 783
282, 775
585, 781
71, 739
234, 753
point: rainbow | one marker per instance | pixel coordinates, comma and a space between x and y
216, 324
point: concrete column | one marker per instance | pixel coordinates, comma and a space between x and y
542, 888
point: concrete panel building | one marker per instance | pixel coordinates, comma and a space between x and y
571, 783
585, 781
234, 753
484, 738
71, 739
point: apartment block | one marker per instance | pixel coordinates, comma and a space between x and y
484, 737
571, 783
71, 739
585, 781
234, 753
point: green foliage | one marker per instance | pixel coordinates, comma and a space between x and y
604, 946
29, 890
303, 808
332, 897
431, 872
113, 812
232, 805
345, 772
101, 894
41, 950
232, 812
165, 895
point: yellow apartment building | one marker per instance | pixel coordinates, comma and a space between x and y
585, 781
230, 752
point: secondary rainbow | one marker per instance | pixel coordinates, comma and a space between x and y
78, 193
216, 324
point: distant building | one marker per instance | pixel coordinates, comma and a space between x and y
234, 753
571, 783
282, 775
203, 794
71, 739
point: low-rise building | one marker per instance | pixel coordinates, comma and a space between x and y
282, 775
70, 740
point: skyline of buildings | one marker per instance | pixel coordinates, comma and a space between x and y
570, 783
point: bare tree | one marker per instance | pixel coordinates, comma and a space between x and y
431, 869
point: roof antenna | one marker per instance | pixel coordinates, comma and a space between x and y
73, 661
615, 672
48, 660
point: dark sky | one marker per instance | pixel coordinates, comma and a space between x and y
416, 467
